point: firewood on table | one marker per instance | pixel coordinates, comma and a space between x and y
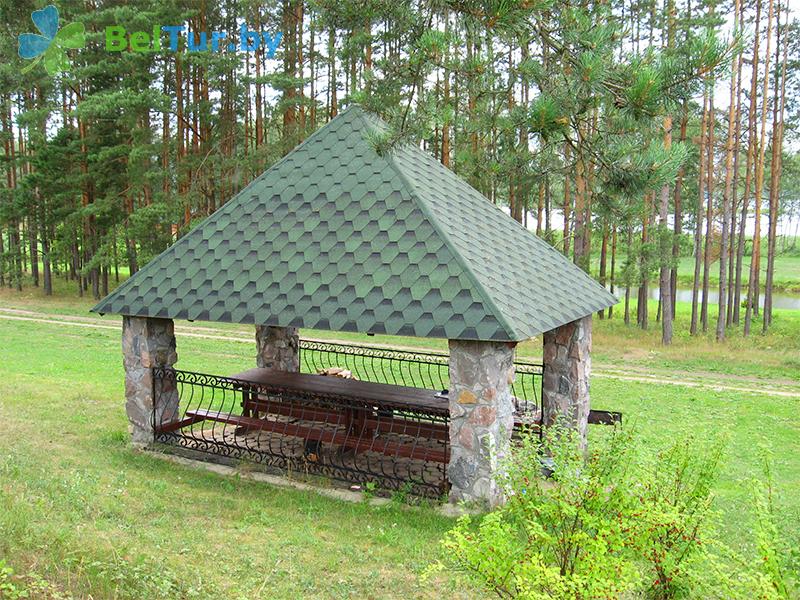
337, 372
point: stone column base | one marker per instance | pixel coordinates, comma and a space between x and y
481, 418
567, 366
148, 343
278, 348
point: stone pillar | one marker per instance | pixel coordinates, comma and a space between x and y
147, 343
481, 418
567, 365
277, 348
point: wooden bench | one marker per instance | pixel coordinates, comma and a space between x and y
344, 439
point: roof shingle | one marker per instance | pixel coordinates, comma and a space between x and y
335, 236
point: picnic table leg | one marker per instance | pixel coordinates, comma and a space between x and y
356, 419
247, 410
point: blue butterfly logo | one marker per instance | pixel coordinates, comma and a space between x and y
50, 47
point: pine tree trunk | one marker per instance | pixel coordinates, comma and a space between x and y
629, 245
750, 159
33, 245
698, 232
666, 246
580, 247
710, 143
259, 116
180, 135
734, 293
567, 200
548, 210
677, 200
613, 265
333, 106
642, 312
290, 71
133, 262
35, 227
755, 264
312, 67
540, 208
47, 274
665, 278
15, 242
446, 126
727, 194
778, 107
603, 256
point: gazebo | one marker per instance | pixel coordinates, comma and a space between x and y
339, 236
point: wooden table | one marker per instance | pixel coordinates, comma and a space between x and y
380, 394
358, 415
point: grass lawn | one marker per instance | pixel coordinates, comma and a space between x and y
82, 513
773, 356
786, 277
787, 271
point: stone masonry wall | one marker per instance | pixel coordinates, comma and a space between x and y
148, 343
277, 348
567, 366
481, 418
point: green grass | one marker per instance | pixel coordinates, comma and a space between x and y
80, 510
85, 512
775, 355
787, 272
786, 278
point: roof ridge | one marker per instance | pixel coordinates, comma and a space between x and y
486, 296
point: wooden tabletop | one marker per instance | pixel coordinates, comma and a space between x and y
379, 393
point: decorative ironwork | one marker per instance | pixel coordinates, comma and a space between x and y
394, 446
379, 365
414, 368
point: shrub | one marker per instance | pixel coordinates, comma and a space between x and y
610, 524
776, 556
556, 538
671, 512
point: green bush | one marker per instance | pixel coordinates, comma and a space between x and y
776, 556
670, 518
615, 524
562, 537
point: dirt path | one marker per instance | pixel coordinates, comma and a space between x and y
634, 373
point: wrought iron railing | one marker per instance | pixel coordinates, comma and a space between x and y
413, 368
396, 447
380, 365
393, 446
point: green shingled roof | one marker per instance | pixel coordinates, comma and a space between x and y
335, 236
